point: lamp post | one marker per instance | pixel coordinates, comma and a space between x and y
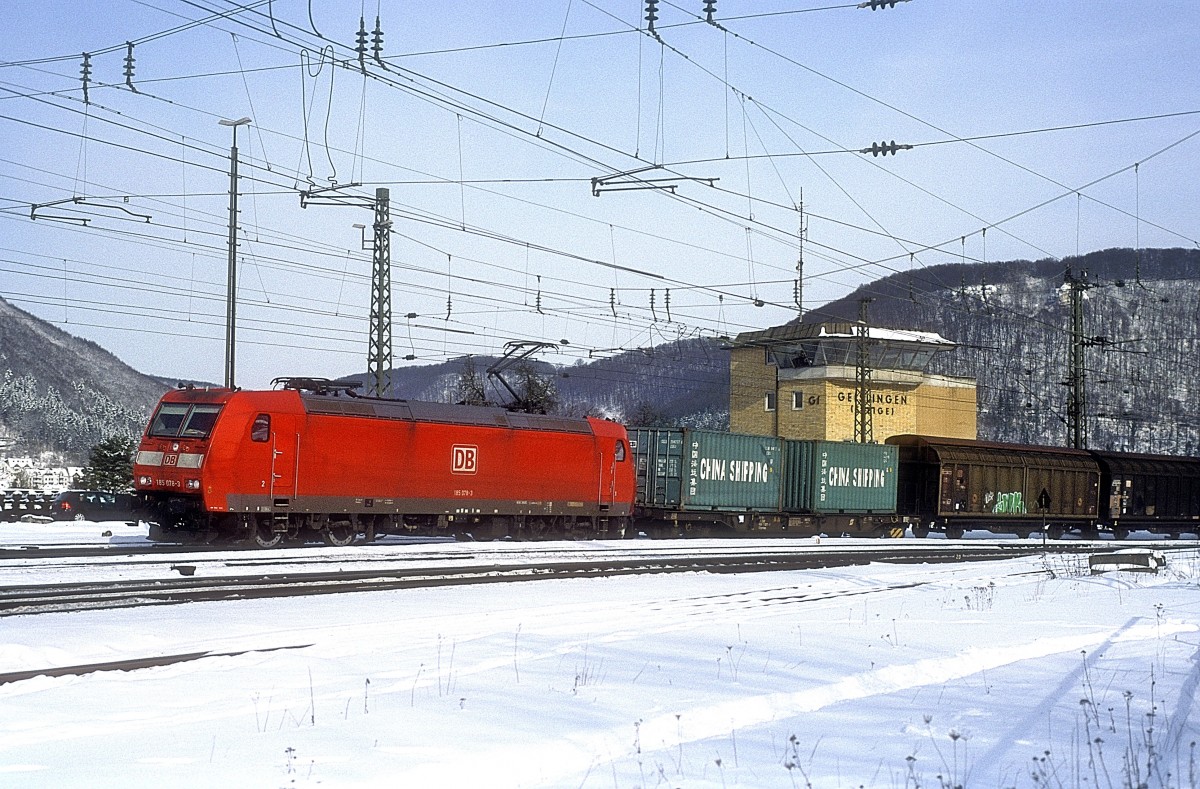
231, 294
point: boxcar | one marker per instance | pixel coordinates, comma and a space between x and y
952, 485
264, 465
1152, 492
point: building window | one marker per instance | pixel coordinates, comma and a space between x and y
768, 357
769, 401
797, 401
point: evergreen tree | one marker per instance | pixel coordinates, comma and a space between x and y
110, 466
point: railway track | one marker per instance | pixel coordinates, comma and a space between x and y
188, 578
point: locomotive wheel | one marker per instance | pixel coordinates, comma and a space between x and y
339, 535
265, 538
954, 532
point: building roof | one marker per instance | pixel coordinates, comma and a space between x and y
799, 332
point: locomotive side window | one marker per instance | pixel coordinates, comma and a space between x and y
261, 429
167, 421
200, 422
620, 452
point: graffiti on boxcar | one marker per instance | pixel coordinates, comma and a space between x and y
1012, 503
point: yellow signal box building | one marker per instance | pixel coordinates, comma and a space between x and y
799, 381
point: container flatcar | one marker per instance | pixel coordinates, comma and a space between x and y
709, 482
840, 487
701, 481
312, 460
952, 485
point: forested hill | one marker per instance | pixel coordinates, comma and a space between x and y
1141, 315
61, 393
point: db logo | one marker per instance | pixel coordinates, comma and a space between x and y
170, 460
466, 458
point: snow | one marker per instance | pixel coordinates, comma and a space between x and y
879, 675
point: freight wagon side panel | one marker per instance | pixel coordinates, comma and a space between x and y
829, 477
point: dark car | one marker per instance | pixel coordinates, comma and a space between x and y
93, 505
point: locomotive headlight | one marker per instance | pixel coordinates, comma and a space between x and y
145, 480
193, 484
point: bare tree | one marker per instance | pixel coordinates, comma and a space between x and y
470, 387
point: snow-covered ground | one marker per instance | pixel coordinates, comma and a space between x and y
879, 676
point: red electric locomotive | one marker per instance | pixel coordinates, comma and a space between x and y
314, 460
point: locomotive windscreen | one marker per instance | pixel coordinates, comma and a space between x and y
183, 420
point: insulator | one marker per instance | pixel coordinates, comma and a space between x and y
667, 301
651, 14
710, 8
361, 48
653, 313
129, 61
85, 74
538, 301
377, 43
612, 301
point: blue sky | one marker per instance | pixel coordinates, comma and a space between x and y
489, 124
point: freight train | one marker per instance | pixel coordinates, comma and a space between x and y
314, 460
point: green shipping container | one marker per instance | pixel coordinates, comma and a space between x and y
706, 470
838, 476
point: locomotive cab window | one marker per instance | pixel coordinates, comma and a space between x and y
619, 454
261, 429
176, 420
168, 419
200, 422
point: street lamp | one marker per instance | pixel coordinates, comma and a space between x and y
230, 298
